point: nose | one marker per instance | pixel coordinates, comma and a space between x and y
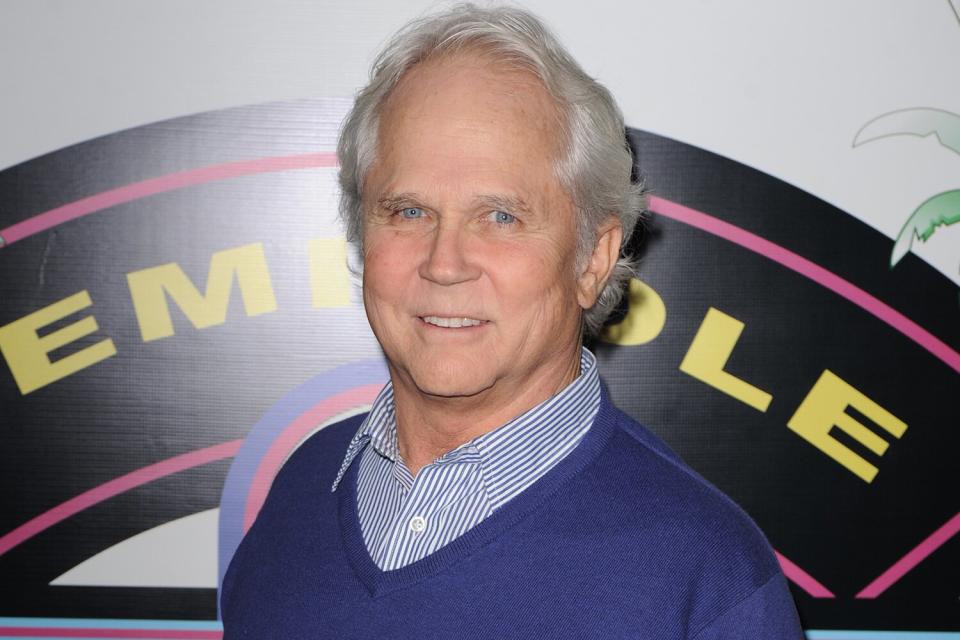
448, 262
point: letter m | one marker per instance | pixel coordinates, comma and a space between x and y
149, 289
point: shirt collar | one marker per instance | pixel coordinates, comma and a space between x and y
538, 432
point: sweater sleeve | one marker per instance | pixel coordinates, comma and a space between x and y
768, 613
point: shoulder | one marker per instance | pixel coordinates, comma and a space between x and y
686, 523
295, 511
656, 473
317, 459
307, 475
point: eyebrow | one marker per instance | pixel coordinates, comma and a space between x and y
505, 203
394, 201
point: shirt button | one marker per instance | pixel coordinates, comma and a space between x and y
417, 524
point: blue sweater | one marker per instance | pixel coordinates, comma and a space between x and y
619, 540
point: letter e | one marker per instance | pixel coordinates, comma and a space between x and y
823, 409
27, 353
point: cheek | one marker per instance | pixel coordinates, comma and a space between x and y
537, 279
388, 259
384, 280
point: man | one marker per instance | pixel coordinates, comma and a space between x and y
493, 491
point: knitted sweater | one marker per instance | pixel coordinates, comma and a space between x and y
619, 540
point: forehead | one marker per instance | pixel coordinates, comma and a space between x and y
466, 79
464, 112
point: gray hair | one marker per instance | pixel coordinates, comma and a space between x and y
596, 167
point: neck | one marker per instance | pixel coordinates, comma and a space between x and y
429, 426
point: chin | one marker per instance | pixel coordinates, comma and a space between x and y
448, 378
452, 389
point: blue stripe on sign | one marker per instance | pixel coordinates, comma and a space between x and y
214, 625
112, 623
841, 634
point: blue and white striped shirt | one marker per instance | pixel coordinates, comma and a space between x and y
404, 519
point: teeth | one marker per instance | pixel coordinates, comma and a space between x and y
454, 323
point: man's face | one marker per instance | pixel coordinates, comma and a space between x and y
469, 239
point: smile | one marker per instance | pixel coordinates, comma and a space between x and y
452, 323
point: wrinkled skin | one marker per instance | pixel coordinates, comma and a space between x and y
465, 219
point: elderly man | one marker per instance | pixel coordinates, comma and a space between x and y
493, 491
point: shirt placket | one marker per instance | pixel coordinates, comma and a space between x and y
416, 525
412, 518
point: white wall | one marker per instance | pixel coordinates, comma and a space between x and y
781, 86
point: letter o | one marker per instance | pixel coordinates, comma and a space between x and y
644, 320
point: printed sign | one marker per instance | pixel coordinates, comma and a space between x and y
180, 311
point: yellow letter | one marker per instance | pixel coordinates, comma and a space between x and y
708, 355
823, 409
27, 353
329, 278
147, 289
644, 320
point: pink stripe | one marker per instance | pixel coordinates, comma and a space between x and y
811, 270
933, 542
293, 433
76, 632
802, 579
113, 197
117, 486
725, 230
300, 427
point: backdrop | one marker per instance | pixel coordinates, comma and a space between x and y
177, 313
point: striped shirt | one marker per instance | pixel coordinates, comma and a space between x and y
404, 519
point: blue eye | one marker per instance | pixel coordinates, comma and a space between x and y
502, 217
411, 213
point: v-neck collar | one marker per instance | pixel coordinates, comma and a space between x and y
379, 582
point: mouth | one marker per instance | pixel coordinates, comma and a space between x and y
452, 322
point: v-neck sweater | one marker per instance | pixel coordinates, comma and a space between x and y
618, 540
403, 518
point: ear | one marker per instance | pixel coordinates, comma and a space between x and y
606, 251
